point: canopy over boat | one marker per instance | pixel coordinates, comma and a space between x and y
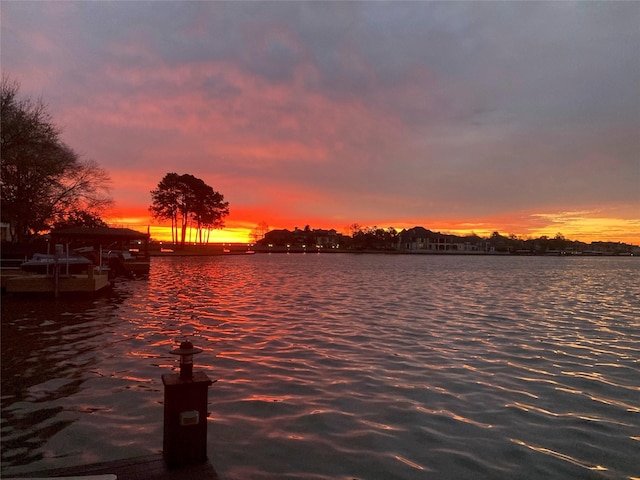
126, 251
104, 234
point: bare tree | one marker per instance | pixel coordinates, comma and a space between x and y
259, 231
43, 180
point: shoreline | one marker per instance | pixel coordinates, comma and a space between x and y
217, 250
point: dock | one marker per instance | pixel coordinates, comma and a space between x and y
149, 467
79, 283
184, 452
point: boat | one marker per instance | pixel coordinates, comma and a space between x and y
126, 262
46, 263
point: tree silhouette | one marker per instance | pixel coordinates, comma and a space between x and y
184, 199
79, 218
43, 180
259, 231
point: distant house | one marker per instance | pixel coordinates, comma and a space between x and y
302, 239
281, 237
327, 238
419, 239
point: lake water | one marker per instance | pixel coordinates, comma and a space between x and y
342, 367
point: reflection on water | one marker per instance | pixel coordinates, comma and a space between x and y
342, 366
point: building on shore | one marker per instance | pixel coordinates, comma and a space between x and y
419, 239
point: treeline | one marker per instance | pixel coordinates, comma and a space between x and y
558, 245
421, 240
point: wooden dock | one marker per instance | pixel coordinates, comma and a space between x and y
150, 467
31, 283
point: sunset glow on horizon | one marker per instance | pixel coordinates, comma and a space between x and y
460, 117
575, 226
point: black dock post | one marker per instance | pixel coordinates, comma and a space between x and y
185, 411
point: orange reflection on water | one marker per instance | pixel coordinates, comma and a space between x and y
592, 376
268, 398
136, 379
561, 456
530, 369
455, 416
409, 462
510, 390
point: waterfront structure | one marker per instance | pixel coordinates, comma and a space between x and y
301, 240
123, 250
55, 283
419, 239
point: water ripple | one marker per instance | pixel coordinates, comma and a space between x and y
344, 366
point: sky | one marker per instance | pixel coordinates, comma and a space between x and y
517, 117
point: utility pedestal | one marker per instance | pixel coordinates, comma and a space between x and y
185, 412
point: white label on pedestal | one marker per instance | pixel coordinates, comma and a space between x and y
189, 418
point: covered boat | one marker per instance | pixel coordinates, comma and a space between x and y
122, 250
66, 263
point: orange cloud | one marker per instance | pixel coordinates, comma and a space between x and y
261, 159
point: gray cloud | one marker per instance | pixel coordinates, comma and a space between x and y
473, 107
